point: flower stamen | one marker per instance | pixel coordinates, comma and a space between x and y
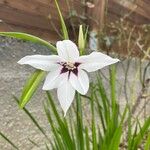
70, 66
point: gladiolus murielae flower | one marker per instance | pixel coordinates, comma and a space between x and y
67, 71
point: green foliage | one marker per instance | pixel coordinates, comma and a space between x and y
63, 25
63, 139
101, 130
147, 144
31, 86
138, 137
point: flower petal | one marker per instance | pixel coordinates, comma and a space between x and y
80, 82
67, 50
66, 95
43, 62
95, 61
54, 78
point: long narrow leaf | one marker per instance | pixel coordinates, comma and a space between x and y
87, 139
114, 145
63, 25
147, 144
80, 138
29, 37
63, 129
9, 141
31, 86
58, 140
94, 132
141, 134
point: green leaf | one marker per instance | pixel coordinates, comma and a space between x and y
94, 130
58, 140
31, 86
10, 142
28, 37
63, 129
63, 25
79, 118
114, 145
113, 86
147, 144
87, 139
140, 135
105, 100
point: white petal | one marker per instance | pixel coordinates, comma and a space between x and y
80, 82
95, 61
54, 79
66, 95
67, 50
42, 62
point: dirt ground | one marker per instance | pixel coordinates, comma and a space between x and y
13, 121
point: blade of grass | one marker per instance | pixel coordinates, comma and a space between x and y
28, 37
100, 137
129, 134
64, 131
123, 115
35, 144
80, 129
113, 86
100, 112
63, 25
56, 134
72, 124
87, 139
94, 133
140, 135
31, 86
104, 98
9, 141
147, 144
115, 141
115, 110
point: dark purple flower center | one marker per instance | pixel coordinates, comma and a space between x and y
70, 67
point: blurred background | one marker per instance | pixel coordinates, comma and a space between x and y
120, 28
116, 22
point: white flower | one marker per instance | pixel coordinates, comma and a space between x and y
67, 70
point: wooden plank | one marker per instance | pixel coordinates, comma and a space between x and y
41, 14
144, 5
40, 7
138, 15
10, 15
35, 14
45, 34
97, 14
